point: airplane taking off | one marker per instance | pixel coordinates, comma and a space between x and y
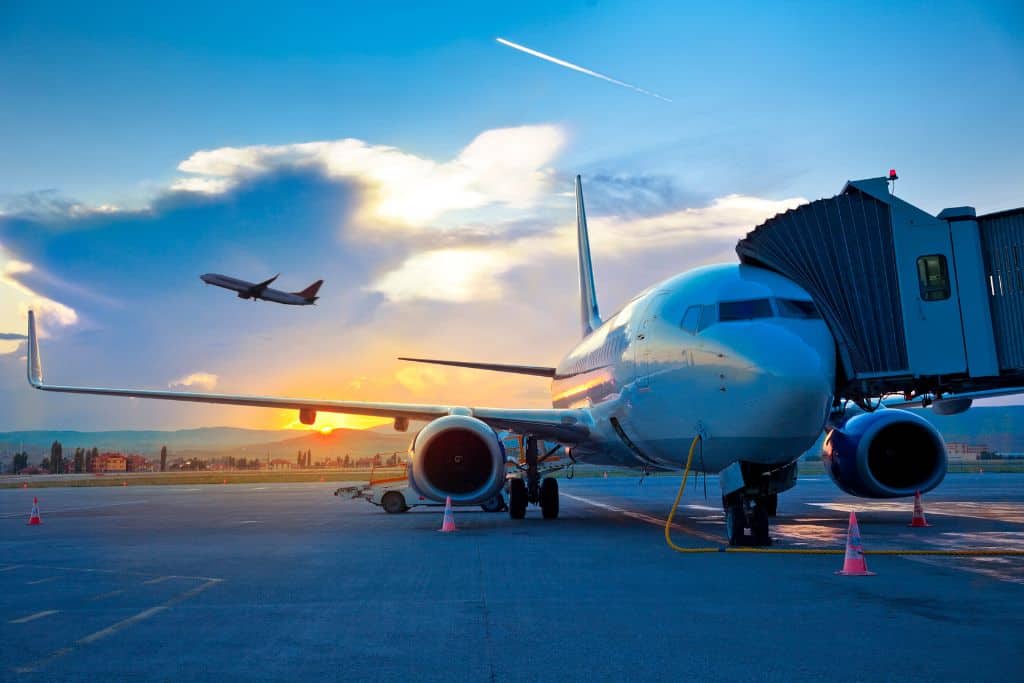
262, 290
734, 353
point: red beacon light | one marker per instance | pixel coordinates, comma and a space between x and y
892, 174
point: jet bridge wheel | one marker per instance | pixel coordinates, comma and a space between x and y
549, 498
517, 499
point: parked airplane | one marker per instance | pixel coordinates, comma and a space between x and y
262, 290
735, 353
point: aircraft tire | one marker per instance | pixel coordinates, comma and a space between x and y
495, 504
735, 519
771, 504
393, 502
759, 527
549, 498
517, 499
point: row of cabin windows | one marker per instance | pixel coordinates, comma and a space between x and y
698, 318
611, 349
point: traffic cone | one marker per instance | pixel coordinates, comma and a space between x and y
853, 563
34, 517
449, 518
124, 483
24, 484
918, 519
606, 475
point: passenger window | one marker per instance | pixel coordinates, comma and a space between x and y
794, 308
691, 320
744, 310
933, 277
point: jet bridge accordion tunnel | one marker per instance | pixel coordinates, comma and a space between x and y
917, 303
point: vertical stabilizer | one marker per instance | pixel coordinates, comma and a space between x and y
589, 315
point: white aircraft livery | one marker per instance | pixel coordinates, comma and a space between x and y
263, 291
736, 354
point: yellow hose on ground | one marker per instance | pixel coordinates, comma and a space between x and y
966, 552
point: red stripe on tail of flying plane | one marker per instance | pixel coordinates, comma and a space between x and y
310, 292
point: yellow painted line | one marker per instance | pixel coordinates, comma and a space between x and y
39, 581
33, 617
119, 626
650, 519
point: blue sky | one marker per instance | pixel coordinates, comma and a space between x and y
103, 104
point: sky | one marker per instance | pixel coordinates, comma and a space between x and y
424, 171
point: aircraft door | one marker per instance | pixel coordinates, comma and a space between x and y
644, 351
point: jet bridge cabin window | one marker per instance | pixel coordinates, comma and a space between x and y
933, 277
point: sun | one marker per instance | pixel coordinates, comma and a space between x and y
326, 429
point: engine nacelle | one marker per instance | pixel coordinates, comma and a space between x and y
457, 456
885, 454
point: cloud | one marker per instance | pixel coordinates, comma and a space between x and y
504, 166
419, 379
199, 380
16, 298
453, 275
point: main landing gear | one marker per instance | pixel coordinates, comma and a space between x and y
532, 488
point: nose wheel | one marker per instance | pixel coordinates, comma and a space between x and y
745, 512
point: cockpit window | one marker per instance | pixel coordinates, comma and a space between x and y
748, 309
794, 308
691, 320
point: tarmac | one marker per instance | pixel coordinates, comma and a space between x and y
275, 582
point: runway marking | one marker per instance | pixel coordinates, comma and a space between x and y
656, 521
104, 596
38, 581
250, 521
33, 617
11, 568
50, 511
119, 626
159, 579
187, 490
259, 488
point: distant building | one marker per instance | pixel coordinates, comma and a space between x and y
281, 464
110, 462
964, 451
137, 463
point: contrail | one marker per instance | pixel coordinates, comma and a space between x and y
574, 67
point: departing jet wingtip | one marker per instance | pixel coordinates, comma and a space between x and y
35, 368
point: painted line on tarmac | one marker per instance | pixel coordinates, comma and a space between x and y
650, 519
249, 521
11, 568
33, 617
119, 626
104, 596
48, 579
159, 579
259, 488
51, 511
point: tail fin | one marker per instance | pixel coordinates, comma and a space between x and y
589, 315
310, 292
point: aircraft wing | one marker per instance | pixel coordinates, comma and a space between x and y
931, 400
562, 425
258, 288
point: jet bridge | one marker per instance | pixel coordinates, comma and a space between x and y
917, 303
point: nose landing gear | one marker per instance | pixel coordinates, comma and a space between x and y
746, 512
750, 497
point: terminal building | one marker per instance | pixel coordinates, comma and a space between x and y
918, 304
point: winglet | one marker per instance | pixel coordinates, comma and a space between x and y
35, 368
590, 317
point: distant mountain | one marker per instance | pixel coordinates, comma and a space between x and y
1001, 428
147, 442
337, 444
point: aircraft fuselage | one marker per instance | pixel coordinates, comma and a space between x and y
721, 350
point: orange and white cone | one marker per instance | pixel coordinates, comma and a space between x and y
918, 520
449, 519
853, 563
34, 517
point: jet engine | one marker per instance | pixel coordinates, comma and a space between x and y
885, 454
457, 456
